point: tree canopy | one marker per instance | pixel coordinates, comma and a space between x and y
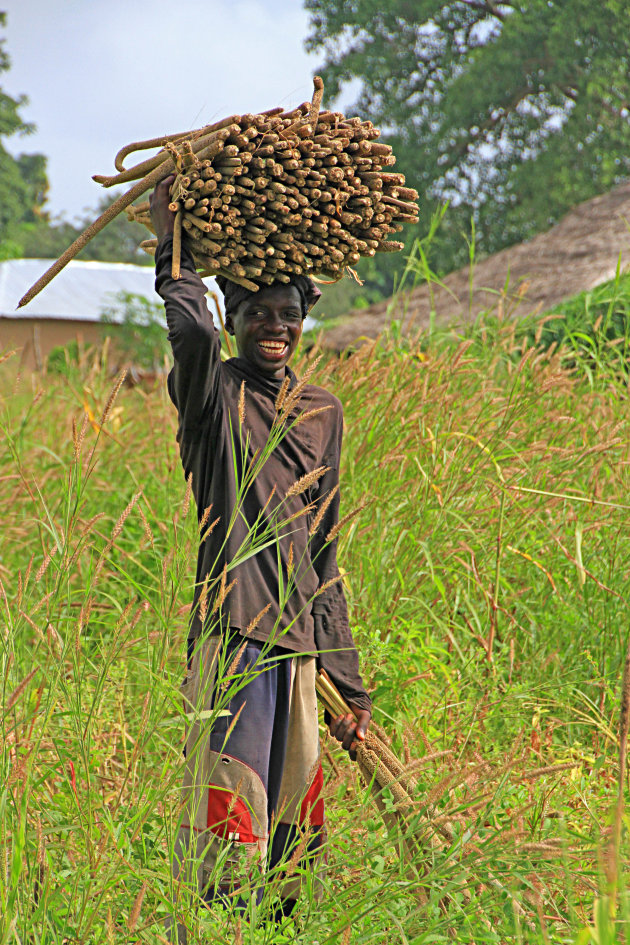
514, 112
23, 182
26, 228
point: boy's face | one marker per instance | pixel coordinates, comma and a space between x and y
267, 326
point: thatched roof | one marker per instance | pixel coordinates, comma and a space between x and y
577, 254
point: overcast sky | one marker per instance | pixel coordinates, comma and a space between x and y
102, 73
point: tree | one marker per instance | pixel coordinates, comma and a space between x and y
23, 181
514, 112
119, 241
140, 337
25, 225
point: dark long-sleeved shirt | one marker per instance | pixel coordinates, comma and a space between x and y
271, 561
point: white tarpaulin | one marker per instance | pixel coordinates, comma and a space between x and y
81, 291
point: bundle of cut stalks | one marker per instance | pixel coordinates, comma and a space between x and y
261, 197
381, 770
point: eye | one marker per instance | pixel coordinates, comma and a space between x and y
293, 318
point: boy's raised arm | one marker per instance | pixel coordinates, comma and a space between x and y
194, 381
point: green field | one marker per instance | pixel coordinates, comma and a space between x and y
488, 579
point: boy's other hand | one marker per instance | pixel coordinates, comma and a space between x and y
350, 729
162, 218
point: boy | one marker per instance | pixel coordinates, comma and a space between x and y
271, 606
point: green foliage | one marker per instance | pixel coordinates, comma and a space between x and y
592, 327
63, 359
488, 583
513, 111
25, 226
140, 334
119, 241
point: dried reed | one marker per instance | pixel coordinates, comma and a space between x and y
261, 197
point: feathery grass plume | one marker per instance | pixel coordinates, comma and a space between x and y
6, 355
251, 626
89, 525
211, 527
269, 498
118, 527
40, 859
223, 591
41, 571
323, 508
116, 531
624, 723
241, 405
334, 531
148, 534
110, 928
327, 584
187, 495
232, 724
118, 383
19, 689
123, 616
54, 640
233, 799
166, 563
204, 518
290, 562
203, 601
301, 512
39, 633
309, 414
548, 769
428, 759
306, 481
29, 568
232, 668
282, 393
78, 442
306, 834
134, 915
295, 393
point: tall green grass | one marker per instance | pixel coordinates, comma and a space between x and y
488, 584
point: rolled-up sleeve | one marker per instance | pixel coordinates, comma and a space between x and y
194, 381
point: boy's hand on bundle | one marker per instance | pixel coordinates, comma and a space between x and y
162, 218
350, 729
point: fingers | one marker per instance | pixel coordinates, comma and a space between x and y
161, 217
343, 728
363, 720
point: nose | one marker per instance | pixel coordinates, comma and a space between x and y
275, 321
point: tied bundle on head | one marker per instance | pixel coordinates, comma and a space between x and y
264, 197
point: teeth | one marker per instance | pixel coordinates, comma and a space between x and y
273, 345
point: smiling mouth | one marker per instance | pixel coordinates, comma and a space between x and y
276, 349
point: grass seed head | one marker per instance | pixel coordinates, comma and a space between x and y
118, 383
187, 495
306, 481
334, 531
282, 393
323, 508
241, 405
256, 620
